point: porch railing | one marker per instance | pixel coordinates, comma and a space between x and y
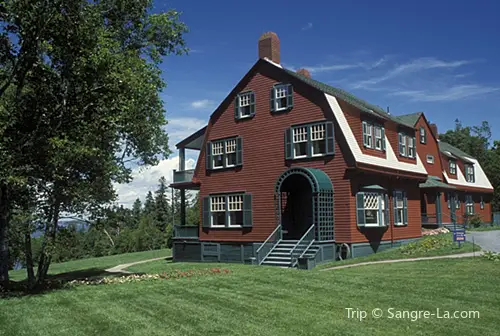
267, 246
429, 219
183, 176
307, 238
186, 232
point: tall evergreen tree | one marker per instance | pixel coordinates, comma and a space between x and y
162, 206
149, 204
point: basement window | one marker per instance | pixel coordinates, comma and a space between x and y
281, 97
227, 211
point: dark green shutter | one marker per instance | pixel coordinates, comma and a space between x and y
289, 96
309, 143
365, 133
387, 206
330, 138
405, 208
237, 107
448, 195
224, 159
360, 208
252, 104
400, 139
272, 101
247, 210
239, 151
288, 144
414, 147
395, 202
383, 138
208, 156
206, 212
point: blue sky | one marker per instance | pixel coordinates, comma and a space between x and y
439, 57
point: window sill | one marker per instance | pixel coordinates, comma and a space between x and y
227, 227
282, 110
310, 157
224, 168
372, 226
245, 117
400, 225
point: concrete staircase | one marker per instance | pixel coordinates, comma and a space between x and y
280, 254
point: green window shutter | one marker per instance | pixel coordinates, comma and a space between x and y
289, 96
247, 210
239, 151
288, 144
365, 134
387, 206
360, 208
224, 161
405, 209
400, 139
237, 107
206, 212
383, 138
208, 156
309, 143
272, 101
330, 138
252, 104
395, 202
414, 147
448, 195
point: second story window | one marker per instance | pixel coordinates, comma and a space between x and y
244, 105
469, 205
423, 136
469, 173
225, 153
430, 159
407, 146
373, 136
281, 97
303, 141
453, 167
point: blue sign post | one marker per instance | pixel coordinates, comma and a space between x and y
459, 236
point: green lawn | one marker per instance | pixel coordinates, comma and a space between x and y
96, 264
256, 300
448, 247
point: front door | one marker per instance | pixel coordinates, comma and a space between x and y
296, 206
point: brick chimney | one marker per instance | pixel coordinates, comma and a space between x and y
304, 72
434, 130
269, 46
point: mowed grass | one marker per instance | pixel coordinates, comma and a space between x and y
256, 300
100, 263
398, 252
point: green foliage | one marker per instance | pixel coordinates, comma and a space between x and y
427, 244
491, 256
474, 220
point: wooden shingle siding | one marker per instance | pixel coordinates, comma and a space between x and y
430, 147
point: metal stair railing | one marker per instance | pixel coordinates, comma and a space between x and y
309, 234
269, 244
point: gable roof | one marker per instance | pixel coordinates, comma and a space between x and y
454, 152
361, 104
410, 119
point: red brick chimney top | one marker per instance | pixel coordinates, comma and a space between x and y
269, 47
304, 72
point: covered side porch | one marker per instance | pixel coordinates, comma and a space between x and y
432, 199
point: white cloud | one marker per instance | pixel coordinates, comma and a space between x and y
308, 26
146, 179
202, 104
180, 128
458, 92
340, 66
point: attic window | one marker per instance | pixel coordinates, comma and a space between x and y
373, 136
469, 173
244, 105
430, 159
407, 145
453, 167
423, 136
281, 97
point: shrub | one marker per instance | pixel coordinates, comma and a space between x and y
426, 244
492, 256
474, 220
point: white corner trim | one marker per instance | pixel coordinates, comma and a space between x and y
273, 63
479, 174
391, 160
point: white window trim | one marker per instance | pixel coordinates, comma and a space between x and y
294, 142
368, 127
225, 212
469, 172
430, 158
240, 96
322, 127
380, 211
400, 194
240, 202
470, 204
214, 145
423, 135
411, 149
309, 141
454, 164
275, 93
403, 150
212, 211
234, 143
378, 137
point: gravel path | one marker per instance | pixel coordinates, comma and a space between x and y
122, 268
488, 240
452, 256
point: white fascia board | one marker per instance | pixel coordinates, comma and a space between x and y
479, 174
273, 63
390, 161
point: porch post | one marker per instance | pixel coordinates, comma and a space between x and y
439, 215
183, 207
182, 159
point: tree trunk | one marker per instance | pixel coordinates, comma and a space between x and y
4, 239
29, 255
49, 240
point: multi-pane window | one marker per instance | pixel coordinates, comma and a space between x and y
423, 135
218, 210
318, 139
453, 197
400, 208
244, 105
281, 97
225, 211
469, 173
224, 153
469, 205
453, 167
407, 145
372, 208
310, 140
482, 203
373, 136
300, 140
430, 159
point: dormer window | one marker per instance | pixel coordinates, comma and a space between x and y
407, 145
453, 167
244, 105
423, 135
281, 97
469, 173
373, 136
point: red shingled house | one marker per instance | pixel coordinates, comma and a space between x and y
293, 171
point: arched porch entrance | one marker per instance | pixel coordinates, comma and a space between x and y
304, 197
